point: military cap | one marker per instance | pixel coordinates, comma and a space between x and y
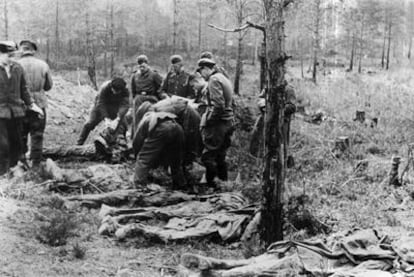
142, 59
206, 54
176, 59
29, 42
205, 62
7, 46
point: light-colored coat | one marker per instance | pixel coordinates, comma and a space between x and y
38, 78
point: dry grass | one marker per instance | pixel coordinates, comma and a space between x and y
341, 194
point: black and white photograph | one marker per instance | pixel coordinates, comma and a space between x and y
195, 138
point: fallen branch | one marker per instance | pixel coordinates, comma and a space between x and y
248, 24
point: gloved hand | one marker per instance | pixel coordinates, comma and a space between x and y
35, 108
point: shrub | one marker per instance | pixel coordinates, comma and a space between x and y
78, 251
54, 224
56, 228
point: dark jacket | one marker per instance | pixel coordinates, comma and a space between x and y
14, 96
113, 104
148, 123
147, 83
189, 119
177, 84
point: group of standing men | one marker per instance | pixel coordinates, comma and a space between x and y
175, 119
23, 103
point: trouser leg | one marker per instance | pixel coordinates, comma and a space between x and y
221, 166
150, 154
141, 173
208, 158
95, 118
177, 156
15, 140
36, 136
4, 146
26, 132
221, 153
216, 140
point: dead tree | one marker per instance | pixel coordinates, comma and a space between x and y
111, 39
383, 46
393, 175
351, 60
389, 45
275, 162
175, 26
271, 225
6, 20
316, 37
57, 37
90, 55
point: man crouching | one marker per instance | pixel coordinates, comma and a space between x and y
158, 141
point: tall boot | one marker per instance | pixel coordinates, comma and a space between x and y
222, 171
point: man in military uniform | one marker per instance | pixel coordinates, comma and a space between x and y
189, 119
14, 101
38, 80
145, 83
217, 123
112, 102
209, 55
158, 141
176, 81
145, 86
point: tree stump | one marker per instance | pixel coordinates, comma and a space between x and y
393, 175
360, 116
300, 109
361, 167
342, 144
374, 122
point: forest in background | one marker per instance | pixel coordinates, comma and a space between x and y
106, 35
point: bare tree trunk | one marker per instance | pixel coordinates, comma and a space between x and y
175, 26
351, 60
238, 65
57, 39
226, 61
105, 42
105, 59
90, 54
271, 225
48, 48
410, 28
389, 45
301, 62
316, 38
6, 21
111, 39
361, 47
200, 14
383, 47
